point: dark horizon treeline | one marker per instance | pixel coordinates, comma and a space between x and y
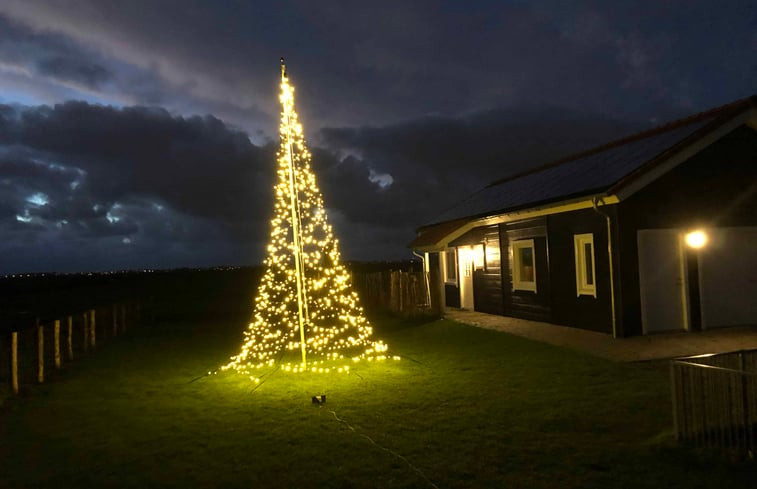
219, 292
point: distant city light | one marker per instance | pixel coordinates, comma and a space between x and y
696, 239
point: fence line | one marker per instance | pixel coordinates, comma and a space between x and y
394, 291
27, 353
715, 400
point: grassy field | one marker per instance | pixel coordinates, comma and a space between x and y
465, 408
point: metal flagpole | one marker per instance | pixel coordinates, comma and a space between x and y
299, 275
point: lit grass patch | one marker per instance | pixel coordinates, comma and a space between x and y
467, 407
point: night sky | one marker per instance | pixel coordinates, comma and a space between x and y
141, 134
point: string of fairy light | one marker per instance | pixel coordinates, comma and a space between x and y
305, 306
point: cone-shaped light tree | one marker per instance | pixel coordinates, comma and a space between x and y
306, 314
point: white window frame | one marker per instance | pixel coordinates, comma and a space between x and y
583, 287
518, 284
448, 280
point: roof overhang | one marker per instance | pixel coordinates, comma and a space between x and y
585, 202
659, 166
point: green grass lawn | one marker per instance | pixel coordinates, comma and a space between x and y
467, 407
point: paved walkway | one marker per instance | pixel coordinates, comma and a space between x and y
636, 348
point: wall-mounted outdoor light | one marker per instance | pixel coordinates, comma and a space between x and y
696, 239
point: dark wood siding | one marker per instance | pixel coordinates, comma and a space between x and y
451, 295
716, 187
487, 282
568, 309
520, 303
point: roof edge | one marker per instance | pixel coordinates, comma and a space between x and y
720, 111
584, 201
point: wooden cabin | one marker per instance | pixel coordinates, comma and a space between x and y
655, 232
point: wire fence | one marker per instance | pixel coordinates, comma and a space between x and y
715, 400
33, 354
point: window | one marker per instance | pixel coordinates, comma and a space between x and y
491, 255
583, 245
524, 265
450, 266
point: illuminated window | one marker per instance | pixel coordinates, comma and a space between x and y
491, 255
524, 265
583, 245
450, 266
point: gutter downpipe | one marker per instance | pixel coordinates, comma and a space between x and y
595, 201
426, 281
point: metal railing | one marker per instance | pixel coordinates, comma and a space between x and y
715, 400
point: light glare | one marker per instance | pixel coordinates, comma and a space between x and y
696, 239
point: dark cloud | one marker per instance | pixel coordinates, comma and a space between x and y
435, 162
146, 151
150, 181
85, 172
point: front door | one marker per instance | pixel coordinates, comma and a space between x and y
662, 281
487, 280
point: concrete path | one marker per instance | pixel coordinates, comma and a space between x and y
637, 348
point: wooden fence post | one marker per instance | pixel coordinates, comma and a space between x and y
403, 287
40, 354
14, 362
56, 337
123, 318
92, 327
85, 330
70, 338
392, 291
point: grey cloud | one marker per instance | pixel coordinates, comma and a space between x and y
49, 54
378, 64
68, 68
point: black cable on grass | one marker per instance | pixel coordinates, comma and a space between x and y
198, 378
392, 452
207, 374
263, 380
412, 359
266, 376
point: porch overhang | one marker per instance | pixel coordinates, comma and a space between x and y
437, 237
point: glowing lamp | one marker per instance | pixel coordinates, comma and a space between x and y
696, 239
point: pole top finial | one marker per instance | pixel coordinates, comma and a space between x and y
283, 67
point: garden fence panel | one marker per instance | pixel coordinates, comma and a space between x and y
715, 400
394, 291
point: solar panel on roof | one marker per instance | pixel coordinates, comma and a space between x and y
585, 174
